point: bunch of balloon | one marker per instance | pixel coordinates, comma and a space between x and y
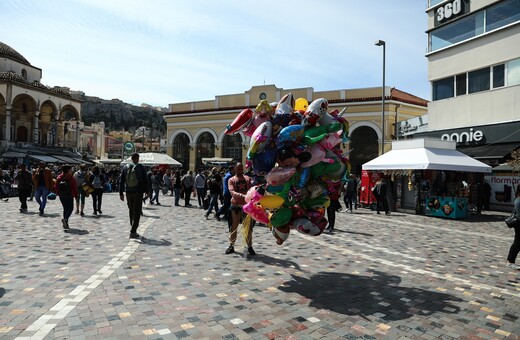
295, 155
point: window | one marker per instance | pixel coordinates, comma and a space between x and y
498, 75
461, 84
486, 20
478, 80
513, 72
443, 88
502, 14
458, 31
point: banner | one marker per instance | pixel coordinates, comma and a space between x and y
502, 189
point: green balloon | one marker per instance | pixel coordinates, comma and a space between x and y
280, 217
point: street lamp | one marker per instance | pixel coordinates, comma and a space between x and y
382, 43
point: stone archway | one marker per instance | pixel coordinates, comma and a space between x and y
181, 149
21, 134
364, 145
23, 116
205, 148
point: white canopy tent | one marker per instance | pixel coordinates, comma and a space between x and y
152, 158
217, 161
426, 154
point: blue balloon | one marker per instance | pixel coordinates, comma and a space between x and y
290, 134
264, 161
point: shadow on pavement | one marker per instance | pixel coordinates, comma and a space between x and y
369, 295
336, 230
487, 217
273, 261
152, 242
2, 292
76, 231
46, 215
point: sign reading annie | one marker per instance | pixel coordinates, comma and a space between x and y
450, 10
464, 137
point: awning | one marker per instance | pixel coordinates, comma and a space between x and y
44, 158
216, 161
492, 151
13, 154
68, 160
426, 154
153, 158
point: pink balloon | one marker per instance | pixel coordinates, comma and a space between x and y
330, 141
250, 128
279, 175
254, 194
305, 226
256, 212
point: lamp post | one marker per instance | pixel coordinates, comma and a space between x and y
382, 43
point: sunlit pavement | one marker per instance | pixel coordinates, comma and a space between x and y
377, 276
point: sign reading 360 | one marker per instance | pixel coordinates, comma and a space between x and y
450, 10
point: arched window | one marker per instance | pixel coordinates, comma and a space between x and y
181, 149
24, 74
233, 147
364, 145
205, 148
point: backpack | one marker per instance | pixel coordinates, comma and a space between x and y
81, 177
132, 180
64, 188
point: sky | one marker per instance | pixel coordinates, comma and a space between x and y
171, 51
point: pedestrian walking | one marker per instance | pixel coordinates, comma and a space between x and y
134, 182
350, 194
167, 183
380, 191
200, 187
157, 184
187, 182
81, 179
214, 184
238, 187
43, 182
66, 189
224, 209
24, 180
97, 181
177, 186
515, 247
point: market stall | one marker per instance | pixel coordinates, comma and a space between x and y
431, 177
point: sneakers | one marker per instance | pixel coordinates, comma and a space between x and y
251, 251
230, 249
77, 212
134, 235
82, 213
513, 266
217, 217
206, 215
99, 211
95, 212
65, 223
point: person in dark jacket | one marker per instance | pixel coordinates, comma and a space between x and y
24, 179
134, 194
380, 191
67, 190
515, 247
96, 180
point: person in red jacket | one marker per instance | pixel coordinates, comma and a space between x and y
67, 190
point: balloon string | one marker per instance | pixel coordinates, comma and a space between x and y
246, 228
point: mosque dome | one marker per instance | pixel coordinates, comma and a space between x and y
8, 52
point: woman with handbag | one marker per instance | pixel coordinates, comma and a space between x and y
515, 247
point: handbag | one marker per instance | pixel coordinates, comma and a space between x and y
512, 221
51, 196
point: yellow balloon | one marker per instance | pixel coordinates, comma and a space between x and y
271, 202
301, 104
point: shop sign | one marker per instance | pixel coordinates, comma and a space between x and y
502, 189
464, 137
450, 10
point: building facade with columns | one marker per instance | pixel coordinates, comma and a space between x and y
196, 130
30, 112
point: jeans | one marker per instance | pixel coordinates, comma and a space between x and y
382, 200
41, 196
177, 192
22, 196
155, 196
331, 213
187, 195
350, 199
68, 205
213, 202
201, 193
515, 247
97, 195
134, 201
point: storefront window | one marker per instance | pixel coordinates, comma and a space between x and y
478, 80
513, 72
443, 88
502, 14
